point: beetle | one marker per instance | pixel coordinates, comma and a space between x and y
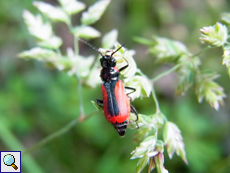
115, 102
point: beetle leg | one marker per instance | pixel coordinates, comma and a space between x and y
99, 103
130, 88
136, 113
122, 68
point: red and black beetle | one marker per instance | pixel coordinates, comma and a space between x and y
116, 103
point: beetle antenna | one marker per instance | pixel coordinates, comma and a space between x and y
90, 45
117, 49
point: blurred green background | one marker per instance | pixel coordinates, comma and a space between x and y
36, 101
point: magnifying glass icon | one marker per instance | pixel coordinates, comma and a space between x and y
9, 160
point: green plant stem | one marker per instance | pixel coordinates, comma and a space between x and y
166, 72
157, 105
76, 46
56, 134
140, 72
13, 144
70, 26
201, 51
156, 101
76, 49
79, 89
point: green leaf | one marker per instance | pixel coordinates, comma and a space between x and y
208, 89
65, 2
215, 35
150, 151
94, 12
226, 58
146, 146
142, 86
41, 31
92, 79
144, 41
71, 64
86, 32
144, 152
51, 58
226, 55
160, 118
225, 18
186, 73
39, 54
72, 6
229, 71
152, 165
159, 161
173, 140
142, 163
159, 146
53, 43
168, 51
147, 125
109, 39
185, 81
81, 64
62, 64
36, 26
54, 13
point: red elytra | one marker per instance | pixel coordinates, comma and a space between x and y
123, 104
